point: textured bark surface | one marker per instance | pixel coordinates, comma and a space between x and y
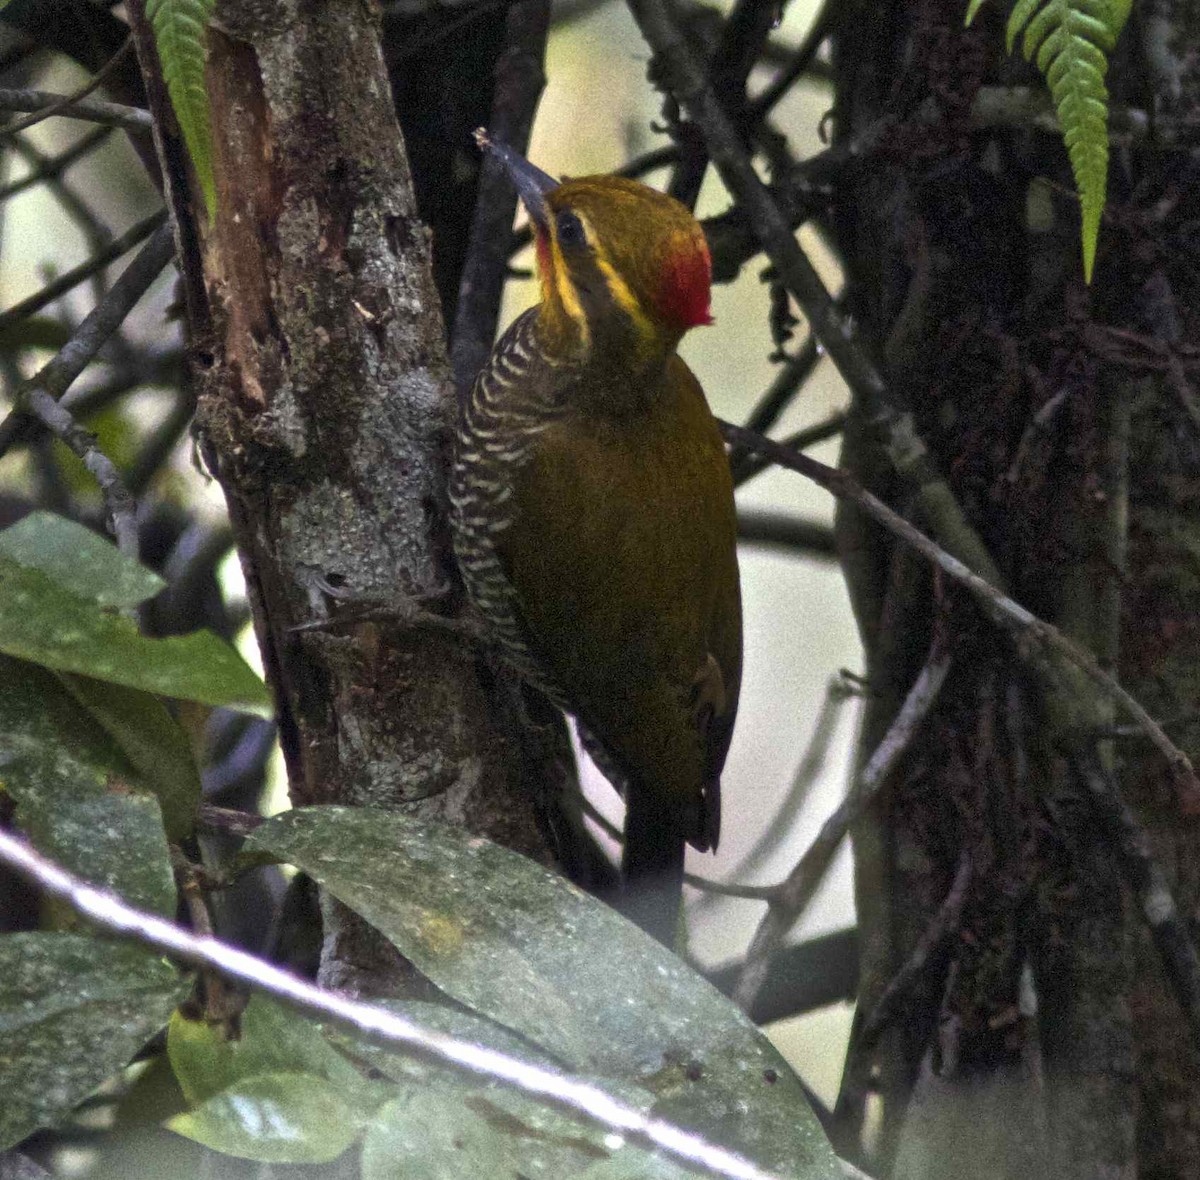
323, 408
1045, 1042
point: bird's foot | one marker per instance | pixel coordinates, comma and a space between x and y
411, 611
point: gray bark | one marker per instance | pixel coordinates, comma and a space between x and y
324, 403
1045, 1042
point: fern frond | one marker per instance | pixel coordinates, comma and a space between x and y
180, 32
1070, 41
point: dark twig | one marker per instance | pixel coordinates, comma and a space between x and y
72, 278
742, 38
687, 82
812, 974
90, 110
52, 167
162, 441
784, 531
812, 764
797, 890
224, 819
122, 510
1038, 426
792, 375
801, 63
943, 924
104, 319
1168, 927
519, 83
68, 101
746, 464
219, 999
96, 233
1034, 638
905, 448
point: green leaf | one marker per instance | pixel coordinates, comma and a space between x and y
273, 1039
180, 33
446, 1130
277, 1118
73, 1011
1070, 40
152, 740
972, 11
44, 622
455, 1022
77, 795
78, 560
523, 947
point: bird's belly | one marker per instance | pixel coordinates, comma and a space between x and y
615, 558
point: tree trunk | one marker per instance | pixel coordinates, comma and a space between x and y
317, 346
1043, 1039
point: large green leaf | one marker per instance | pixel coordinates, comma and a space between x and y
447, 1130
180, 33
279, 1118
78, 560
44, 622
152, 740
528, 950
78, 797
272, 1039
73, 1011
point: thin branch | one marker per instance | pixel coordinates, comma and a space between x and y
53, 167
804, 976
792, 375
219, 999
741, 41
90, 110
746, 464
383, 1027
801, 63
120, 505
162, 441
797, 890
1168, 927
72, 278
905, 449
688, 84
941, 926
95, 232
226, 820
711, 888
780, 529
1033, 637
105, 318
519, 84
775, 833
68, 101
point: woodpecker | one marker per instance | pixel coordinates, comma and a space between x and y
593, 517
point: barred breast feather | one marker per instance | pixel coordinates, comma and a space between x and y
510, 403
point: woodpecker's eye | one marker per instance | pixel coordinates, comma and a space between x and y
570, 231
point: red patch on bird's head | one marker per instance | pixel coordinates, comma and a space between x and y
683, 299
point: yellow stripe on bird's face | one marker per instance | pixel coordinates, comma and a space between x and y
582, 263
564, 290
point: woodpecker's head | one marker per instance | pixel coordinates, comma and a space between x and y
618, 261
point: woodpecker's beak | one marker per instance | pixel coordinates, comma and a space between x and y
532, 184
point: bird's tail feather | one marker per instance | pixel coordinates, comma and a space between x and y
652, 867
